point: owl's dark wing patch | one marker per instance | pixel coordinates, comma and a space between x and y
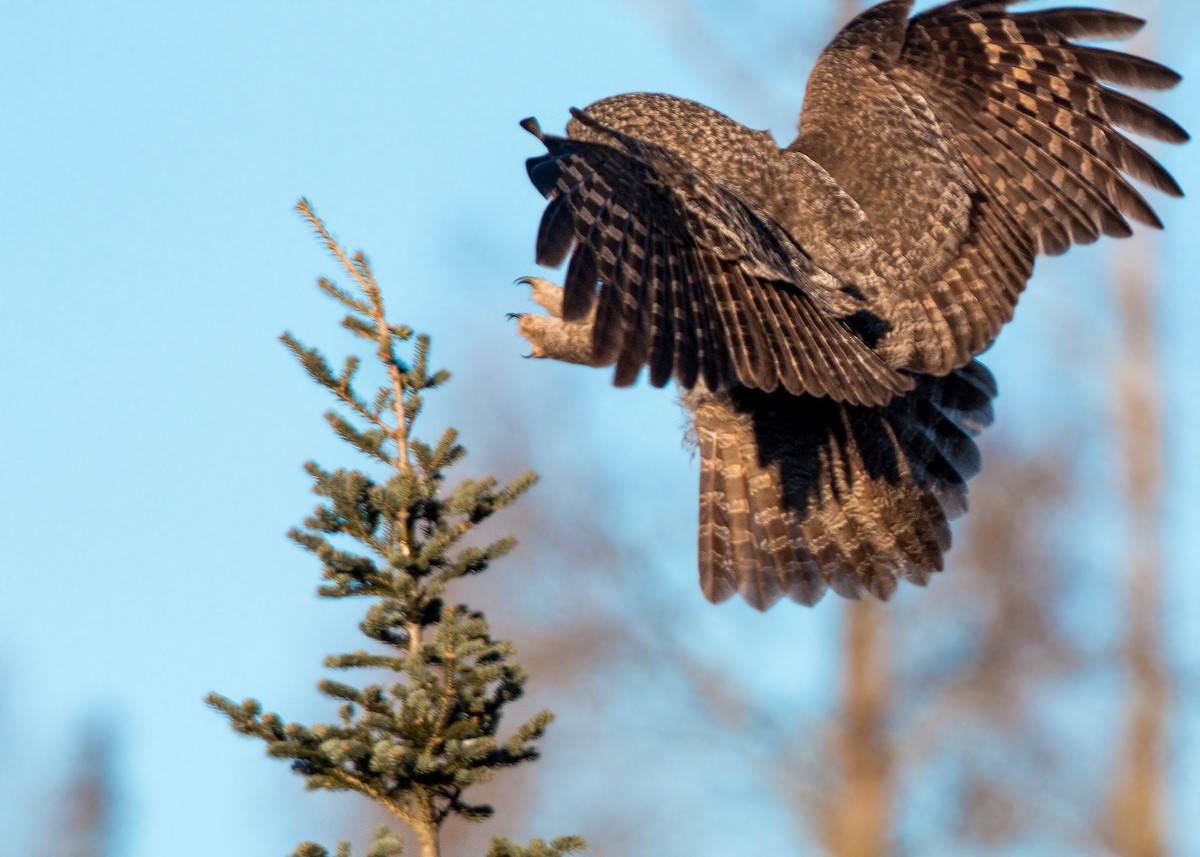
683, 277
1038, 133
798, 495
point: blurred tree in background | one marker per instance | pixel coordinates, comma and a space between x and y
84, 816
1137, 815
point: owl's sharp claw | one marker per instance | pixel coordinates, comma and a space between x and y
548, 335
545, 294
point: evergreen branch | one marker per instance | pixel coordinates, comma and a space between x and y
383, 399
321, 372
330, 288
360, 327
311, 360
367, 283
365, 660
372, 441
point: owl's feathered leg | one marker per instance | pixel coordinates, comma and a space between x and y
550, 337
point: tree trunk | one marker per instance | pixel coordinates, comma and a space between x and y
427, 836
859, 814
1137, 823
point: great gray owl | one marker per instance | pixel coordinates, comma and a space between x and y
821, 305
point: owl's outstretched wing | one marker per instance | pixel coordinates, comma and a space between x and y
1033, 128
687, 279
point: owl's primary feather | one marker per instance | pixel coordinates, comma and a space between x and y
821, 304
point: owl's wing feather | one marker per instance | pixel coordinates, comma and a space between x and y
1037, 130
692, 282
799, 495
1034, 143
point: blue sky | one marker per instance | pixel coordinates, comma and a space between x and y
151, 428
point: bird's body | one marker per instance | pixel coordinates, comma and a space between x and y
821, 304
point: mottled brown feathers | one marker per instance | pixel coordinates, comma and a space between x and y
869, 491
693, 282
1038, 131
822, 305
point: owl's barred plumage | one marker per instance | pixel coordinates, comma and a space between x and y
701, 290
799, 493
821, 305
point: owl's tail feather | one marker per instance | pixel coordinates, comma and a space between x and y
798, 495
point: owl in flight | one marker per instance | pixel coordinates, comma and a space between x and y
820, 306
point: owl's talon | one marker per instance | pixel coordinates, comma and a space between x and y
552, 338
545, 294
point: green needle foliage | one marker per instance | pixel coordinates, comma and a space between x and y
419, 742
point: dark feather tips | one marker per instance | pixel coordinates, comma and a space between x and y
531, 125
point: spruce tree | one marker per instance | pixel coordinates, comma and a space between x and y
418, 743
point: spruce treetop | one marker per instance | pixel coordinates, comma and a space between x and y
418, 743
